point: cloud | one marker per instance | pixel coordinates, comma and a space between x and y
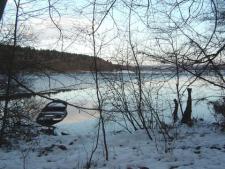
75, 34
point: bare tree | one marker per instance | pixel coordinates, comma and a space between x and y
2, 7
9, 70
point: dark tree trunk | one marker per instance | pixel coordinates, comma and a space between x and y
2, 7
187, 113
175, 116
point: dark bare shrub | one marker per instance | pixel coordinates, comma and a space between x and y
219, 109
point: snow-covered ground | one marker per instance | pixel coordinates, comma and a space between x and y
198, 147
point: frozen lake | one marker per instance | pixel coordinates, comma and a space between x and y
158, 88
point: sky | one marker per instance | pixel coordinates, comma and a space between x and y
69, 26
35, 17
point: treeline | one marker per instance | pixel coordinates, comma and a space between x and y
28, 59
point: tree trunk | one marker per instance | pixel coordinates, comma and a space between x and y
187, 113
175, 116
2, 7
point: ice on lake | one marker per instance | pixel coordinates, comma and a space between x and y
162, 90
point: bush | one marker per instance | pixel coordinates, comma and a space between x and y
219, 109
19, 121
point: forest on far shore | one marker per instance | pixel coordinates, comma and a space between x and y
27, 59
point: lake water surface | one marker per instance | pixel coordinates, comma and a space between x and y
160, 89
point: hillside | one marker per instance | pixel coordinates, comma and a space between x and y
33, 60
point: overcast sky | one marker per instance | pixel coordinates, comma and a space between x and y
68, 28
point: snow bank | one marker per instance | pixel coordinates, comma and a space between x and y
201, 146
